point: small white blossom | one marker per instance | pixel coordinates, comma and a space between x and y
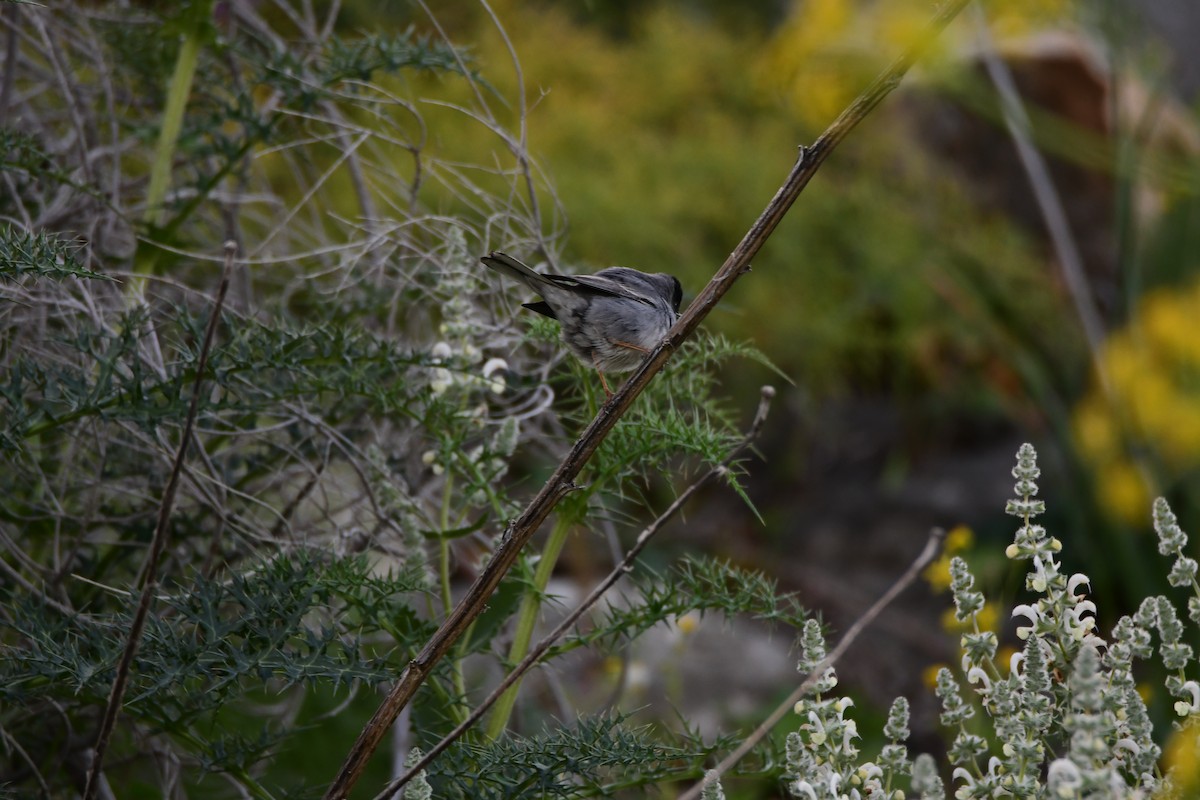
1030, 613
1077, 580
1184, 708
443, 379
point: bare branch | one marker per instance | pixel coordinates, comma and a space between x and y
929, 552
624, 567
1049, 202
149, 574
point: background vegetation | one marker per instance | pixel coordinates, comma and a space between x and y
375, 405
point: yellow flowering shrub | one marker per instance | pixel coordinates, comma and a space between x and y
1153, 368
827, 50
1181, 760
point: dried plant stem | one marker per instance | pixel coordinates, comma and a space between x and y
1054, 215
624, 567
560, 483
149, 574
932, 546
1049, 202
10, 59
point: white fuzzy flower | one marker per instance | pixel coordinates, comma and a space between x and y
1030, 613
442, 380
429, 459
977, 675
1185, 709
1063, 778
492, 367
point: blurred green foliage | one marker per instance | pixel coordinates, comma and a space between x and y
664, 146
365, 171
894, 276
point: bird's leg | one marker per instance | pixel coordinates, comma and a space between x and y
607, 392
618, 343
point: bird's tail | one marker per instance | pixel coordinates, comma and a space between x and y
507, 265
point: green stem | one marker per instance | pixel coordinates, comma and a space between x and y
444, 545
172, 123
460, 682
527, 617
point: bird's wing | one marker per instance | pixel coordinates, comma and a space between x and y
593, 284
507, 265
598, 284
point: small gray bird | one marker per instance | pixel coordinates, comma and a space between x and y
610, 320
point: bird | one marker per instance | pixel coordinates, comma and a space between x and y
610, 320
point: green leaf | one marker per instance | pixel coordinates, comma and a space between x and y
23, 252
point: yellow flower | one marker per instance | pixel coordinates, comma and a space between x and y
988, 617
959, 539
1122, 491
1152, 369
900, 26
823, 55
1167, 319
1153, 405
930, 673
1096, 432
950, 622
1019, 17
1181, 760
937, 574
1125, 362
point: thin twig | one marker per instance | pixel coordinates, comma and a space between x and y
31, 764
624, 567
521, 529
520, 149
19, 579
149, 574
1054, 216
932, 546
1049, 202
10, 60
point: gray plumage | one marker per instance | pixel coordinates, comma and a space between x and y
610, 320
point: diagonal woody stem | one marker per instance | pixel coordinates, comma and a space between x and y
624, 567
933, 546
521, 529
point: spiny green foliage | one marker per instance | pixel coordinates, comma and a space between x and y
683, 414
344, 61
299, 619
26, 253
589, 758
361, 58
101, 373
695, 584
